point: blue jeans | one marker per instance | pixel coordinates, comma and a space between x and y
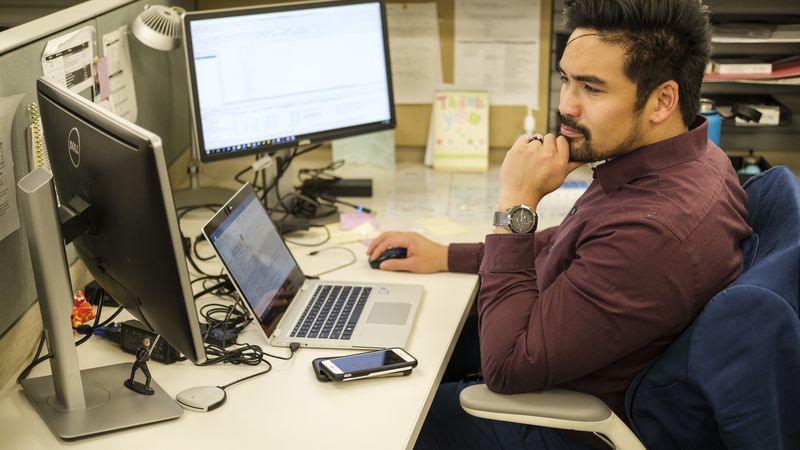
448, 426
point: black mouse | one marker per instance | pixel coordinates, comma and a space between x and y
389, 253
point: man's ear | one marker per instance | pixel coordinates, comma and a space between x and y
664, 99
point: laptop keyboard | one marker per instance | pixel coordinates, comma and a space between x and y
332, 312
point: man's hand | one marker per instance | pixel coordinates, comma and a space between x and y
424, 255
534, 169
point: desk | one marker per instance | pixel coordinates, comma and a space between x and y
288, 408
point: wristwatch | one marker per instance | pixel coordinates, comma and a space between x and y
518, 219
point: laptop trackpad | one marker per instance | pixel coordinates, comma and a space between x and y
388, 313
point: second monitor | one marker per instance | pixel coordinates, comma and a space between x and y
273, 77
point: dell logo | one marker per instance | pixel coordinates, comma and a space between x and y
74, 147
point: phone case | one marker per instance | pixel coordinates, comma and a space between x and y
369, 373
321, 376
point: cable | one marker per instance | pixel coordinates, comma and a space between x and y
38, 360
322, 172
269, 368
316, 244
349, 263
235, 316
359, 208
201, 238
225, 283
283, 165
292, 348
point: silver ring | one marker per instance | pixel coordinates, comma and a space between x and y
536, 137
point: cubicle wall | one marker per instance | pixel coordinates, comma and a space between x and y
160, 82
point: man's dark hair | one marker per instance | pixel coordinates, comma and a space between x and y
663, 40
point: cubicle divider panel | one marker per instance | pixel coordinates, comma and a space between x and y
160, 81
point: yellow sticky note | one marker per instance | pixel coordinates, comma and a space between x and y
441, 226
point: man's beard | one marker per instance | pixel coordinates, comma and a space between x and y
582, 150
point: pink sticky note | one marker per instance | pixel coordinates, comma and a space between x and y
350, 220
102, 78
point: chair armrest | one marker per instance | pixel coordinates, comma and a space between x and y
555, 408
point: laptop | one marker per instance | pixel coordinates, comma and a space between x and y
292, 307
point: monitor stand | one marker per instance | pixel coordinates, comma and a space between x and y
196, 195
72, 402
109, 404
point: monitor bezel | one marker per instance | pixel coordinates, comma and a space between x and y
306, 139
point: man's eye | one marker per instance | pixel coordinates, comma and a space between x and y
590, 89
563, 79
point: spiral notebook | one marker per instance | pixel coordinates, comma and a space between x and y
35, 139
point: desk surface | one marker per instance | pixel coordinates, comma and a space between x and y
288, 408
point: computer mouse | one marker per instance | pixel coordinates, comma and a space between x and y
202, 398
389, 253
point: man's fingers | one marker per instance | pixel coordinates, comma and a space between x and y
375, 243
562, 147
397, 265
382, 241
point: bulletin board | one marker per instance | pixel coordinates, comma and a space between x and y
505, 122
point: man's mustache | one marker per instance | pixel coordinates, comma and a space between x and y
572, 123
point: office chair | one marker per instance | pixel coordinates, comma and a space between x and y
730, 380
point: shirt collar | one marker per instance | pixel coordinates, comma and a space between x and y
654, 157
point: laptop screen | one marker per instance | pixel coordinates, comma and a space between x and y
256, 257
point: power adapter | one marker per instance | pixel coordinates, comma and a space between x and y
217, 335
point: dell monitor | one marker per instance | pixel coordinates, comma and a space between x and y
115, 173
272, 77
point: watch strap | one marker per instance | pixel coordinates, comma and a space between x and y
501, 218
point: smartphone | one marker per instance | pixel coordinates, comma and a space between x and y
376, 363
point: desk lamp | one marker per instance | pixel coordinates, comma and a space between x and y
159, 27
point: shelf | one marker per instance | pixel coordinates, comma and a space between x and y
744, 40
780, 38
789, 81
781, 138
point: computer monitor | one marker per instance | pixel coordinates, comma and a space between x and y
272, 77
116, 173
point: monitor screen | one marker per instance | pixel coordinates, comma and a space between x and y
274, 77
133, 246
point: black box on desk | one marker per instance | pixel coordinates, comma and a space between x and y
344, 187
738, 164
133, 333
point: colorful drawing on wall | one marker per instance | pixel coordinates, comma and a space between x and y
460, 131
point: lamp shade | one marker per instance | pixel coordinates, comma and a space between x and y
159, 27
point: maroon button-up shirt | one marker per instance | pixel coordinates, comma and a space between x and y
589, 304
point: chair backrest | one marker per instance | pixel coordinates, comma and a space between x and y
732, 379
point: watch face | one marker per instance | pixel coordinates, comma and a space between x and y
522, 220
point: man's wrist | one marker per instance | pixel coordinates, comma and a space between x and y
445, 259
510, 201
502, 230
531, 202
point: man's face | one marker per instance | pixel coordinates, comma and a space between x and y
597, 100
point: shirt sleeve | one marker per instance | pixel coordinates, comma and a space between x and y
466, 258
620, 290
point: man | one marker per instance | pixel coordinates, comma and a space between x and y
589, 304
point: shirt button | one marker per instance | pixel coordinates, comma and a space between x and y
573, 211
